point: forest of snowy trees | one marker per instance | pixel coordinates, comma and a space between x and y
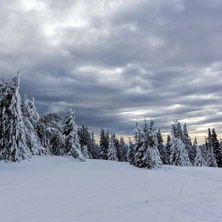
23, 133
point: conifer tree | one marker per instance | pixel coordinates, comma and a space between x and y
93, 148
151, 145
210, 159
5, 98
17, 143
188, 144
216, 148
31, 117
168, 149
178, 153
130, 153
70, 131
104, 145
160, 147
199, 159
112, 153
140, 158
123, 152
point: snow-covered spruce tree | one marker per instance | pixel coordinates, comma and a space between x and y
168, 149
5, 98
199, 159
104, 145
160, 147
84, 139
153, 159
70, 131
50, 132
17, 143
188, 144
140, 158
216, 148
31, 117
123, 150
93, 147
130, 153
112, 153
210, 159
178, 152
117, 145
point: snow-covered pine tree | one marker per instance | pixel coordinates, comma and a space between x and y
70, 131
140, 158
117, 145
50, 132
5, 98
179, 155
168, 149
122, 149
17, 143
130, 153
84, 139
112, 153
216, 148
199, 159
31, 117
210, 159
160, 147
153, 159
188, 144
93, 147
104, 145
178, 152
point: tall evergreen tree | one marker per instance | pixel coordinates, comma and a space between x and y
178, 153
210, 159
93, 148
216, 149
160, 147
31, 117
188, 144
112, 152
104, 145
168, 149
153, 159
199, 159
123, 152
17, 143
70, 131
140, 158
130, 153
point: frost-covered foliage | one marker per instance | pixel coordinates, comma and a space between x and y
162, 152
199, 159
104, 145
122, 150
216, 148
31, 117
168, 149
131, 153
188, 144
210, 158
112, 152
50, 131
146, 147
70, 131
179, 155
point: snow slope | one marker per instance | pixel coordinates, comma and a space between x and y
59, 189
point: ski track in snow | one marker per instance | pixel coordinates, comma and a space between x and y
59, 189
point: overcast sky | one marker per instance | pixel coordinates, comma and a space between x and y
118, 61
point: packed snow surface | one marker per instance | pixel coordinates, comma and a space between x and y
59, 189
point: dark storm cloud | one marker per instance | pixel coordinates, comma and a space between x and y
117, 61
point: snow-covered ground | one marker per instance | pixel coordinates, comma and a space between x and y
59, 189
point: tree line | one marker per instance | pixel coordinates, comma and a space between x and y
24, 133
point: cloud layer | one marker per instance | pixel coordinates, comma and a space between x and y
118, 61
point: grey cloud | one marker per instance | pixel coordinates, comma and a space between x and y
118, 61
